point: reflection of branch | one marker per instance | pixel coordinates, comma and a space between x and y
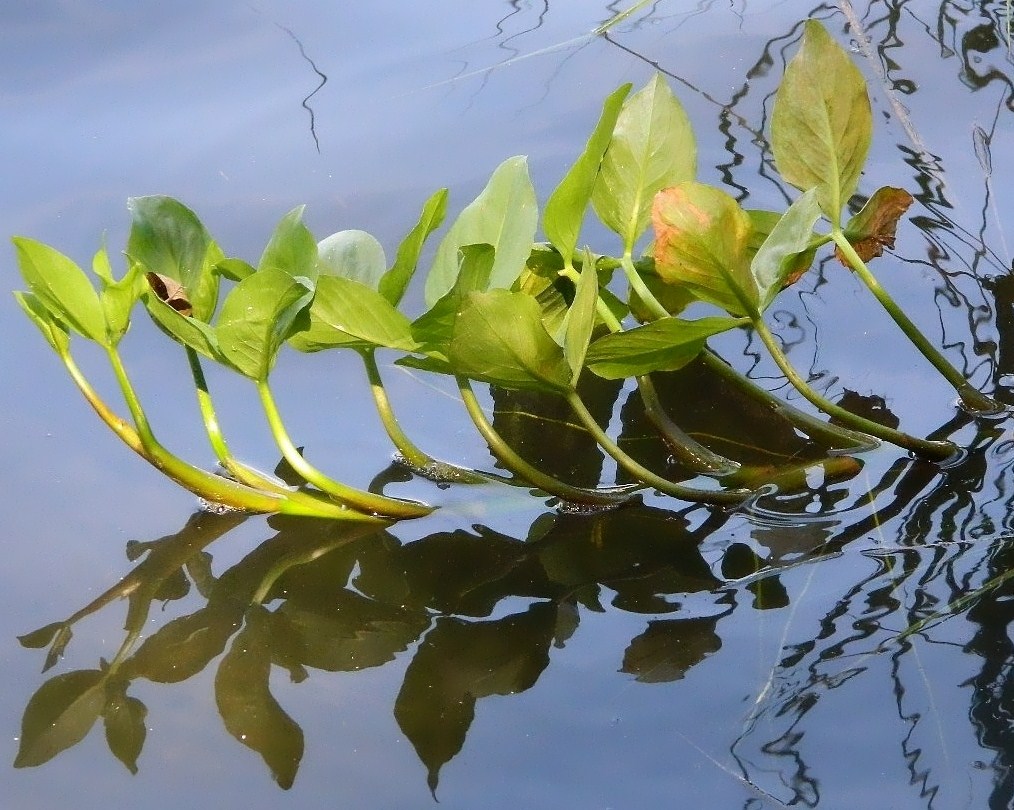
323, 80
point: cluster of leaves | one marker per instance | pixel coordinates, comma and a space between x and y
504, 309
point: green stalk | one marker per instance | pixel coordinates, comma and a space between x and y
938, 450
369, 502
295, 502
416, 458
972, 398
505, 454
642, 473
687, 450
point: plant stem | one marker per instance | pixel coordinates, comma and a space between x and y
972, 398
356, 498
295, 502
938, 450
834, 436
638, 286
416, 458
642, 473
608, 496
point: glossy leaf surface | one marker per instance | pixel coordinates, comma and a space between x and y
666, 344
565, 208
822, 124
781, 253
352, 254
652, 147
292, 249
504, 215
395, 281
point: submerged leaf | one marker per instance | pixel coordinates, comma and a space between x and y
701, 242
504, 215
59, 715
565, 208
822, 124
395, 281
499, 338
875, 226
666, 344
652, 147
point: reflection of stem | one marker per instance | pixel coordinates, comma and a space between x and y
358, 499
296, 502
642, 473
924, 447
416, 458
973, 399
512, 461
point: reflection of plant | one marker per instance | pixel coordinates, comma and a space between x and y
509, 312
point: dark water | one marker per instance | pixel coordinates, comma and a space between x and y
498, 651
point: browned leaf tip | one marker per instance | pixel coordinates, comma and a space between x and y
170, 291
874, 228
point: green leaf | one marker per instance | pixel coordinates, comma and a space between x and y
822, 124
59, 715
701, 242
779, 255
292, 249
434, 328
652, 147
580, 320
53, 330
167, 238
61, 287
191, 332
234, 269
257, 317
352, 254
565, 208
118, 299
101, 266
250, 712
346, 313
666, 344
124, 718
499, 338
395, 281
504, 215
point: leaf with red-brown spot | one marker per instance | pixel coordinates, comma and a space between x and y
875, 226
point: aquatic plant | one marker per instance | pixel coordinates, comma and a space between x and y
512, 312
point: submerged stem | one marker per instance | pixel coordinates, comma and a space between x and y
938, 450
973, 399
505, 454
356, 498
642, 473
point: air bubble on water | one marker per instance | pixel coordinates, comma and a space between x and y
433, 471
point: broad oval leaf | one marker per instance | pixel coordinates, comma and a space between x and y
701, 242
61, 287
504, 215
184, 646
345, 313
652, 147
124, 718
666, 344
59, 715
250, 712
352, 254
292, 249
257, 317
395, 281
565, 208
779, 254
167, 238
52, 329
499, 338
822, 123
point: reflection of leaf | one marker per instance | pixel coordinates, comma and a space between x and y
184, 646
42, 637
124, 721
875, 226
248, 709
459, 662
669, 648
59, 715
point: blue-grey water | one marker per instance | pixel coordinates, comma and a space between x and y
498, 654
